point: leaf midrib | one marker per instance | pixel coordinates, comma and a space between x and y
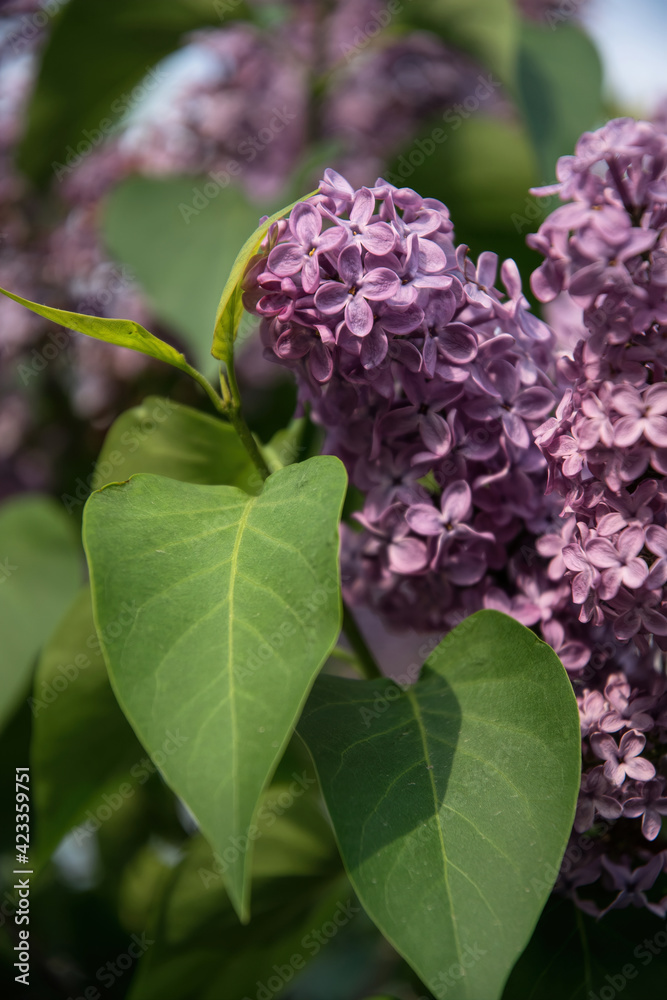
414, 704
230, 669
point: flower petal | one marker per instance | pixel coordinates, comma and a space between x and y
378, 238
632, 743
627, 431
379, 284
305, 222
331, 297
373, 348
285, 259
456, 502
424, 519
358, 315
407, 555
602, 553
320, 363
350, 267
640, 769
436, 433
363, 206
655, 431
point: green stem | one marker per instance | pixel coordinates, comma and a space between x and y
230, 391
584, 947
344, 655
365, 658
221, 403
229, 405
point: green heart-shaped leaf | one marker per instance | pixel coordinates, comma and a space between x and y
453, 800
40, 572
169, 439
238, 606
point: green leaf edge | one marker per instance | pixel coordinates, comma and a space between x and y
243, 911
435, 655
230, 307
94, 326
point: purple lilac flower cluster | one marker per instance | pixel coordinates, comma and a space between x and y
431, 385
429, 382
605, 448
241, 104
607, 445
615, 840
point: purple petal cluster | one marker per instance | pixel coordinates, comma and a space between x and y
429, 381
606, 453
607, 444
435, 387
622, 799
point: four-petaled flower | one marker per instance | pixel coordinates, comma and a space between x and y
287, 259
622, 759
619, 562
354, 289
594, 797
650, 805
642, 414
632, 885
377, 237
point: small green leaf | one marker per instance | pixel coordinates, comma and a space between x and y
169, 439
201, 952
180, 255
81, 743
559, 78
486, 28
238, 606
40, 571
122, 332
230, 307
452, 800
287, 444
